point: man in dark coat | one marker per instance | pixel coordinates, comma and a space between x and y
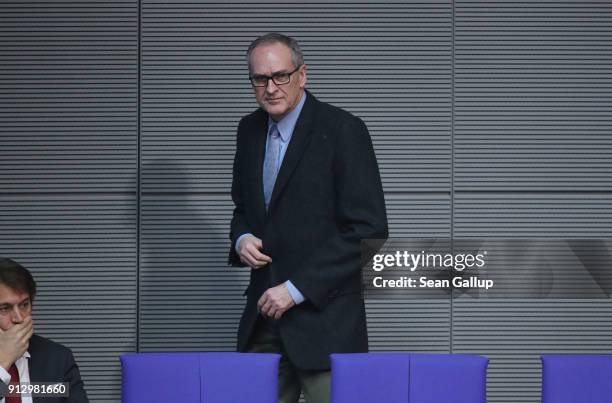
307, 191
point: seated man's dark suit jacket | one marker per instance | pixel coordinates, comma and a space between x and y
327, 198
52, 362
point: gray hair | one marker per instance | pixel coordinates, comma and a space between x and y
274, 37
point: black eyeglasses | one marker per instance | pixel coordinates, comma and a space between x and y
278, 78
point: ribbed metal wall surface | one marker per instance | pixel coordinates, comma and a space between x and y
81, 250
532, 158
408, 324
189, 298
68, 83
388, 62
513, 333
68, 164
490, 119
533, 96
194, 91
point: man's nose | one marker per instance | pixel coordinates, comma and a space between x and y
17, 316
271, 86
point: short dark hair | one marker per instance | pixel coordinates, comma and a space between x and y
16, 277
274, 37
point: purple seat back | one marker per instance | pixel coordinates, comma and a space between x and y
239, 377
576, 378
439, 378
408, 378
368, 378
199, 377
160, 377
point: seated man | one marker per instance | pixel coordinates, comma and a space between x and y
27, 358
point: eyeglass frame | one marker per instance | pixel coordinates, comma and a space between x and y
268, 78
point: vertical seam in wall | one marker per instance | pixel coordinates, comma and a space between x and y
138, 178
452, 144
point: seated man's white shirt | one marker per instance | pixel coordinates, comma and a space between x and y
24, 375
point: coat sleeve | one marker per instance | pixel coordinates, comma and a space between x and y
238, 224
360, 214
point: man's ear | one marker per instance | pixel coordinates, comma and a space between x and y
303, 76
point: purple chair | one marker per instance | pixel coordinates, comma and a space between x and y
576, 378
408, 378
199, 377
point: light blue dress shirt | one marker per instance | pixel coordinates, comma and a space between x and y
285, 128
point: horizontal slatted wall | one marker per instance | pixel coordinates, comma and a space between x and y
68, 95
533, 96
407, 323
68, 158
531, 151
387, 62
533, 158
190, 299
513, 333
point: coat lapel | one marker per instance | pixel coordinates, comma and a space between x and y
298, 144
260, 133
34, 366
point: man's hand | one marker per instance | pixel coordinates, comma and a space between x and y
275, 301
249, 252
14, 342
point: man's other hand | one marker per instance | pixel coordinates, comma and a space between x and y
15, 341
275, 302
250, 254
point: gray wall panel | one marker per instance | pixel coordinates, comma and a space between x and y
81, 250
524, 215
390, 63
513, 333
532, 158
533, 95
418, 215
490, 119
189, 298
68, 172
407, 324
68, 96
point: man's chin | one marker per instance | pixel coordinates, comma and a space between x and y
276, 111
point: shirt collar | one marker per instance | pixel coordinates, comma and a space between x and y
287, 124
